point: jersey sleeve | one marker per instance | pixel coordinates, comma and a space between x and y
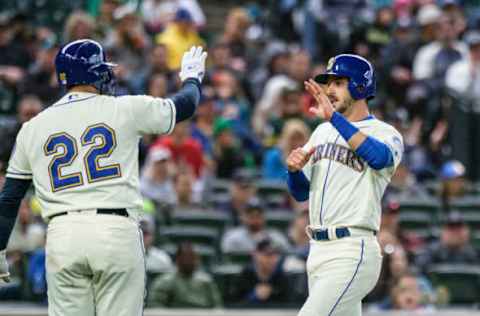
152, 115
19, 166
394, 141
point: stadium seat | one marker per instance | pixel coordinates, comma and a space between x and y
236, 257
279, 219
475, 238
226, 277
415, 220
195, 235
462, 281
467, 203
424, 205
205, 218
271, 190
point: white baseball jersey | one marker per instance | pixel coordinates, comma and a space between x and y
344, 190
82, 152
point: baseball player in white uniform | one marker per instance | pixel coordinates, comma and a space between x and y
82, 156
343, 171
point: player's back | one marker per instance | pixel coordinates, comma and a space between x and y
83, 150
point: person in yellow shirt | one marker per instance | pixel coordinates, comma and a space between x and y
178, 37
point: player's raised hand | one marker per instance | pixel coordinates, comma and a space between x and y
298, 158
193, 64
324, 108
4, 275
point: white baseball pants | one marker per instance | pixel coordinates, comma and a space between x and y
340, 274
95, 265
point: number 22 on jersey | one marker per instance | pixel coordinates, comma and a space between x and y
65, 157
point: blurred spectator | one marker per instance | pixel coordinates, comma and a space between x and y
405, 295
227, 151
156, 178
156, 260
187, 287
295, 133
463, 84
242, 190
157, 14
157, 85
263, 283
253, 228
36, 274
156, 65
186, 151
427, 18
202, 128
29, 232
454, 184
79, 25
433, 59
188, 192
454, 246
298, 71
298, 237
41, 79
127, 42
104, 19
234, 34
404, 185
28, 107
178, 37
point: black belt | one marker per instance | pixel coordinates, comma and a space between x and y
340, 232
111, 211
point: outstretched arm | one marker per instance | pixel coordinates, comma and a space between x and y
12, 194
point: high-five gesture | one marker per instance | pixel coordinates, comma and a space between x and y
298, 158
324, 108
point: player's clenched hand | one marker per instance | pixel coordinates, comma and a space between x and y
193, 64
324, 108
4, 275
298, 158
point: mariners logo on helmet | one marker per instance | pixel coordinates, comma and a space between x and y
358, 70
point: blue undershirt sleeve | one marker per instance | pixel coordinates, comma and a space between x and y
298, 185
187, 99
375, 153
12, 194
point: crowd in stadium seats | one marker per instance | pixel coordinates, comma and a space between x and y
219, 227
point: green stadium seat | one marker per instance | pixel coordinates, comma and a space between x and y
226, 277
462, 281
195, 235
431, 206
236, 258
205, 218
475, 238
272, 191
468, 203
279, 219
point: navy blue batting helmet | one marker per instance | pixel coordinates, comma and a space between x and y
83, 62
357, 69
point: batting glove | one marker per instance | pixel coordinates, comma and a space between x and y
4, 275
193, 64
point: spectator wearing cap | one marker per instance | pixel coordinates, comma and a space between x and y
433, 59
454, 184
242, 239
242, 190
427, 18
78, 25
187, 286
454, 246
463, 83
295, 133
263, 282
127, 42
156, 181
227, 151
178, 37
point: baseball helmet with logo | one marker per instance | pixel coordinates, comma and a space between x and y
83, 62
358, 70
